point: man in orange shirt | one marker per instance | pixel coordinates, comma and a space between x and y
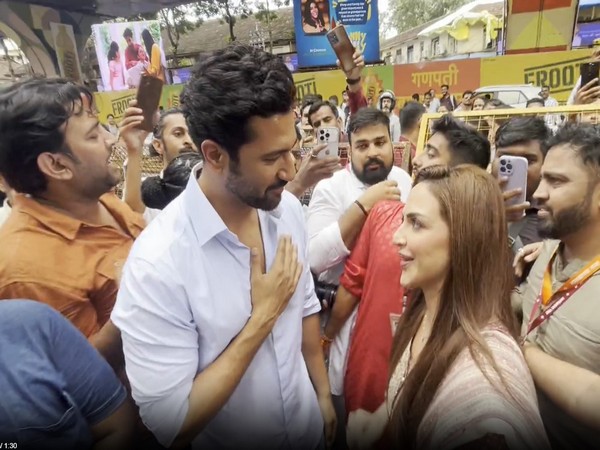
67, 236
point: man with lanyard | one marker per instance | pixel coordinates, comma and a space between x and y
559, 301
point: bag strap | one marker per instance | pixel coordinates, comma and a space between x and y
515, 241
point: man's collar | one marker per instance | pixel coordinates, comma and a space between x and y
67, 226
204, 218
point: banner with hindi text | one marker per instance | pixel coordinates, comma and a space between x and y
459, 75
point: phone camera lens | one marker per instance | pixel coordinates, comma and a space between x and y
327, 135
509, 166
322, 138
502, 169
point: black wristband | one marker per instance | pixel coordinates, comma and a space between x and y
352, 81
362, 208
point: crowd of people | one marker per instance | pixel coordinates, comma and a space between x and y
256, 294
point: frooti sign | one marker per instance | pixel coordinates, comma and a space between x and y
314, 18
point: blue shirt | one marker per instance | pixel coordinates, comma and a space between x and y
53, 384
184, 296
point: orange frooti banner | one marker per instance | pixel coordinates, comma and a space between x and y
459, 75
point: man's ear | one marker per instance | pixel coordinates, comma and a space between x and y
158, 146
57, 166
214, 155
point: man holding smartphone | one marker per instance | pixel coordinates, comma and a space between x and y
524, 137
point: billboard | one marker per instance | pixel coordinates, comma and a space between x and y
125, 50
66, 51
314, 18
558, 70
459, 75
539, 26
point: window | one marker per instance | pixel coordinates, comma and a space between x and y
452, 45
398, 58
422, 50
410, 54
510, 97
435, 46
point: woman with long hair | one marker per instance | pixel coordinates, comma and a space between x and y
117, 77
156, 68
312, 18
458, 376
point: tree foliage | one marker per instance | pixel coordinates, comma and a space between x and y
229, 11
406, 14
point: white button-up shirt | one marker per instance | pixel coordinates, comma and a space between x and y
327, 251
184, 296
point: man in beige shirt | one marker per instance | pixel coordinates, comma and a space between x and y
563, 351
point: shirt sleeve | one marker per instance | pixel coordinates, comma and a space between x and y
571, 100
326, 246
161, 367
91, 382
353, 278
356, 101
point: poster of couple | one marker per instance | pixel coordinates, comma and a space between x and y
127, 50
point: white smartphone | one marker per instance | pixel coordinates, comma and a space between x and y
515, 169
331, 137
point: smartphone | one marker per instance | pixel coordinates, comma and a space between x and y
515, 169
589, 71
342, 46
148, 97
331, 137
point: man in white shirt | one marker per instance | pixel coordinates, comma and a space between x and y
217, 308
339, 208
553, 121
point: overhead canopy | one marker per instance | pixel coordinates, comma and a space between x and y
589, 3
111, 8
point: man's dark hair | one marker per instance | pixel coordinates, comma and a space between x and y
467, 145
228, 88
584, 138
159, 128
468, 92
32, 115
545, 86
445, 86
128, 33
415, 97
110, 115
522, 130
317, 106
159, 191
334, 97
366, 117
535, 100
410, 116
309, 100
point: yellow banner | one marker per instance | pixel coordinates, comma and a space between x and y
559, 70
333, 82
116, 103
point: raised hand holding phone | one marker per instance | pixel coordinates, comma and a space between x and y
148, 98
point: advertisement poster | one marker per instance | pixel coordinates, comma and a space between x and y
459, 75
126, 50
115, 103
332, 82
558, 70
66, 51
314, 18
587, 27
